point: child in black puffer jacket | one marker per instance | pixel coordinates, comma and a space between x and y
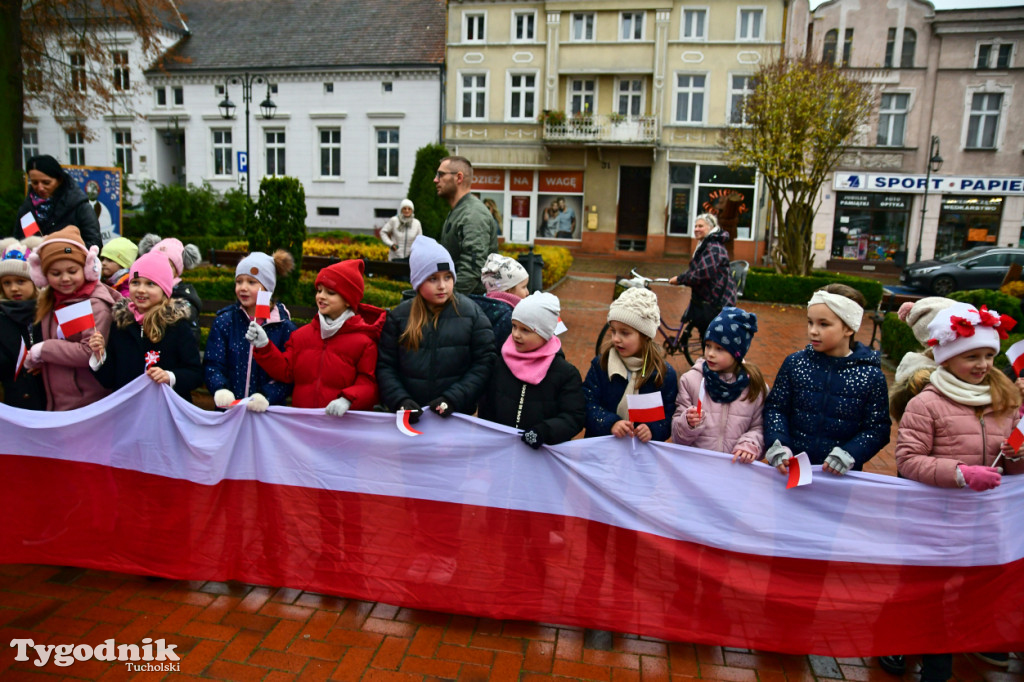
533, 386
18, 330
437, 348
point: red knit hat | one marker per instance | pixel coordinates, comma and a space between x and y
345, 278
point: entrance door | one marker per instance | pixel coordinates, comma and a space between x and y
634, 207
171, 157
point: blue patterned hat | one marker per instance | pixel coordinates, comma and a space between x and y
733, 330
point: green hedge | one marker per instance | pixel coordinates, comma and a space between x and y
218, 284
897, 338
994, 300
764, 284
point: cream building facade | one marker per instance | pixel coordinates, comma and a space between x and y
596, 125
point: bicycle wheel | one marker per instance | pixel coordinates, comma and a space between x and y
600, 339
693, 348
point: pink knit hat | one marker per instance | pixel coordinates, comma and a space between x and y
154, 267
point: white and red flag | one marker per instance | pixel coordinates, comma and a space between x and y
29, 226
1016, 438
799, 471
22, 356
1015, 354
75, 318
262, 305
701, 396
404, 425
466, 519
645, 407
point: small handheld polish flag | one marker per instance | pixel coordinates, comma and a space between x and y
75, 318
799, 471
402, 422
700, 397
262, 305
1016, 438
29, 226
645, 407
1015, 354
22, 356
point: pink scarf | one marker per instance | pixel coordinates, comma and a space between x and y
136, 312
530, 367
511, 299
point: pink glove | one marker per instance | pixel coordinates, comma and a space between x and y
980, 478
904, 311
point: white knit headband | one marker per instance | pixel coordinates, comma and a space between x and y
847, 309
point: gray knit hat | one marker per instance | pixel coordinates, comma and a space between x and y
259, 266
637, 307
426, 257
501, 273
540, 312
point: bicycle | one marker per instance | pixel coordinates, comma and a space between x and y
683, 339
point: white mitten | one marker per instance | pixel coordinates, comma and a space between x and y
257, 403
223, 397
256, 335
338, 406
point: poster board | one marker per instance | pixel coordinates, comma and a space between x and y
103, 187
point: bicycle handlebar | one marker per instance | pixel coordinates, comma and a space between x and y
642, 278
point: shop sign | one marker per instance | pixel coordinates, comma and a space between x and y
561, 182
488, 178
521, 181
958, 205
897, 182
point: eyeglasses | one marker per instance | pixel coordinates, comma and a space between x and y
441, 173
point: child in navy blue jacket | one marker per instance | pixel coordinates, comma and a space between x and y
630, 362
18, 329
151, 334
830, 399
227, 351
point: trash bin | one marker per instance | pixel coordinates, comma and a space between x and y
534, 264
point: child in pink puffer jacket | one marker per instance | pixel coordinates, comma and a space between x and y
729, 419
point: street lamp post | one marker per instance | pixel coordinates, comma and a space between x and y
227, 110
934, 164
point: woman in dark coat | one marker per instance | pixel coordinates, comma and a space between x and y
708, 274
56, 201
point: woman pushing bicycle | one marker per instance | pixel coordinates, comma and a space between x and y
708, 275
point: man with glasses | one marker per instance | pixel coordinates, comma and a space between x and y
470, 232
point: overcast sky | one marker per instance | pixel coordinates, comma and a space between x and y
959, 4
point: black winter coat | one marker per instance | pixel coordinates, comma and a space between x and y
454, 359
183, 291
127, 348
70, 207
16, 324
554, 408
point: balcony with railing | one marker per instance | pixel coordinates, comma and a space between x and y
600, 129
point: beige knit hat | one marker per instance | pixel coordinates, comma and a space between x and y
922, 313
637, 307
501, 273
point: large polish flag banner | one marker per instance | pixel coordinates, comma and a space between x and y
666, 541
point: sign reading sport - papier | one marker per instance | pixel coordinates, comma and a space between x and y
898, 182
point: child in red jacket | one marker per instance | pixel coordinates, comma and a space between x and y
332, 360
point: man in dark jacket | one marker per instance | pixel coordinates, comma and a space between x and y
56, 201
470, 232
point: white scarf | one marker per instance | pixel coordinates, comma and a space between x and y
628, 368
329, 328
972, 395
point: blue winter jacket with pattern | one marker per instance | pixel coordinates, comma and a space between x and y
819, 402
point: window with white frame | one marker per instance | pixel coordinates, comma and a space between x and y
983, 124
524, 26
583, 26
330, 152
160, 96
741, 86
223, 153
29, 145
750, 25
387, 152
629, 97
122, 79
77, 62
522, 96
123, 151
474, 26
632, 26
76, 148
473, 96
892, 119
690, 90
178, 95
994, 55
695, 23
581, 95
275, 152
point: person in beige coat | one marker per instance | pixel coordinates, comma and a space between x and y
400, 231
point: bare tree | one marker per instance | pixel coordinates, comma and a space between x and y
62, 56
799, 120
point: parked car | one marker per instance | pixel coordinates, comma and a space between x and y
982, 267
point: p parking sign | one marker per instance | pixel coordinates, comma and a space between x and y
243, 162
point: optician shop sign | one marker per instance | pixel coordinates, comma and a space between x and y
896, 182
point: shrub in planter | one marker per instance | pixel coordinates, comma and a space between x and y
995, 300
557, 260
898, 338
764, 284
